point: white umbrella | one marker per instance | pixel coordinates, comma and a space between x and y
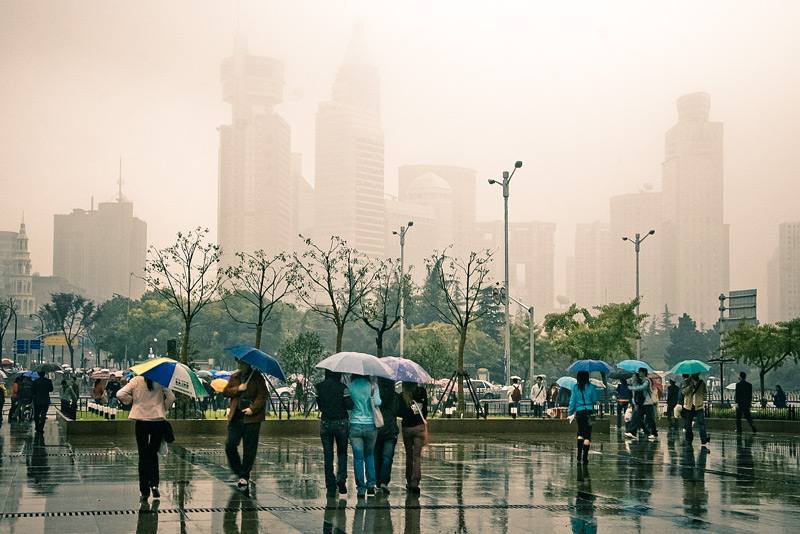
356, 363
731, 386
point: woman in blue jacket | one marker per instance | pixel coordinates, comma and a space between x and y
581, 404
363, 432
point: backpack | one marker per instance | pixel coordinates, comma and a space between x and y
516, 394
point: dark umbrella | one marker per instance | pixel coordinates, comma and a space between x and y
620, 375
258, 360
47, 367
590, 365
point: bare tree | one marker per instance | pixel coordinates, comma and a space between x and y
7, 310
72, 315
185, 275
456, 297
380, 307
333, 282
262, 282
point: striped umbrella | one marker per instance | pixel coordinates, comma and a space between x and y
173, 375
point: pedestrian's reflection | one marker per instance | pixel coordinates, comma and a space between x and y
383, 514
239, 501
334, 521
363, 518
583, 521
693, 472
38, 468
412, 514
147, 519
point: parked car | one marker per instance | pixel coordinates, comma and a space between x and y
485, 389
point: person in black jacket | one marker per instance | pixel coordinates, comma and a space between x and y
414, 412
744, 400
387, 434
673, 394
333, 399
42, 387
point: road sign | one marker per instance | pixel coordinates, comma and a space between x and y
55, 341
35, 344
741, 307
22, 346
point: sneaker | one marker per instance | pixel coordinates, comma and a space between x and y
156, 493
242, 483
144, 497
629, 435
385, 489
705, 441
370, 491
342, 488
652, 437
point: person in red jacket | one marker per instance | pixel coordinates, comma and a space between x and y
248, 392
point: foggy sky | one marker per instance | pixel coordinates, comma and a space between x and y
582, 93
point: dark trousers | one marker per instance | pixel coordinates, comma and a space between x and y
384, 458
247, 434
12, 409
148, 439
413, 441
744, 411
40, 415
584, 420
334, 431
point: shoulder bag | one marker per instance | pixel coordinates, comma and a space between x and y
377, 416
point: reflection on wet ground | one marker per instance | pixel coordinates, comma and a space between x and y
485, 484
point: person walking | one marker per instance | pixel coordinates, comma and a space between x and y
514, 396
363, 433
694, 397
414, 414
67, 396
77, 389
538, 396
248, 392
24, 397
2, 400
386, 441
333, 399
623, 402
150, 402
111, 391
14, 398
97, 391
673, 393
581, 405
644, 415
744, 401
42, 387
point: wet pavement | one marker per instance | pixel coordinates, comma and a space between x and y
487, 484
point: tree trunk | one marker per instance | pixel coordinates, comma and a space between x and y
259, 328
462, 341
185, 345
339, 336
379, 343
763, 398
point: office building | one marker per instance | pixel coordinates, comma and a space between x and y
591, 265
15, 272
784, 275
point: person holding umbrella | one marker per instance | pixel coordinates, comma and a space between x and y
694, 397
150, 402
248, 392
333, 399
41, 400
581, 405
363, 432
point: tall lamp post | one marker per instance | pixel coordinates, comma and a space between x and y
41, 332
402, 234
505, 183
637, 243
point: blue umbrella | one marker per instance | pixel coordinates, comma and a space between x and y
590, 365
567, 381
634, 365
407, 370
31, 374
258, 360
689, 367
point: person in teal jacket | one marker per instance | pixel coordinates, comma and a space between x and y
581, 405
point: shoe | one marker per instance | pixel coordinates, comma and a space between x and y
156, 493
370, 491
704, 441
755, 431
385, 489
242, 484
412, 489
652, 437
342, 488
629, 435
144, 497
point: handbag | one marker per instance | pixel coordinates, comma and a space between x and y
377, 416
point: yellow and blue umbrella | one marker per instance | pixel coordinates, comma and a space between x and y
173, 375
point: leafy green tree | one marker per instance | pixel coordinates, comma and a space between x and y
72, 315
766, 347
261, 282
380, 307
688, 343
433, 347
461, 284
184, 274
301, 354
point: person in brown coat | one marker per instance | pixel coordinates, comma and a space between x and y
248, 392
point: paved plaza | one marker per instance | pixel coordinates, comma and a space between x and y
480, 484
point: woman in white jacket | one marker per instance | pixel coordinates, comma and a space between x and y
150, 402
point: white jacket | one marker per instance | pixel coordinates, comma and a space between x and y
146, 405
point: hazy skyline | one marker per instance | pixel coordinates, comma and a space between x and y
582, 93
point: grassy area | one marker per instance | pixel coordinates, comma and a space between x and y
209, 414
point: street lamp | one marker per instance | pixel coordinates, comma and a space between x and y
402, 234
506, 181
637, 245
41, 332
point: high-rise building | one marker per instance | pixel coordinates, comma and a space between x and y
694, 239
784, 284
15, 272
102, 251
591, 264
462, 182
349, 170
632, 214
255, 160
531, 259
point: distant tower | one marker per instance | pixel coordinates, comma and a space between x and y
349, 178
695, 241
15, 270
255, 161
784, 279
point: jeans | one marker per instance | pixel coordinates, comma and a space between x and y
247, 434
362, 441
644, 417
112, 402
538, 410
334, 431
413, 440
701, 424
384, 457
40, 416
148, 439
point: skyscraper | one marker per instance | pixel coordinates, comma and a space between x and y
695, 241
591, 264
784, 279
349, 178
255, 177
